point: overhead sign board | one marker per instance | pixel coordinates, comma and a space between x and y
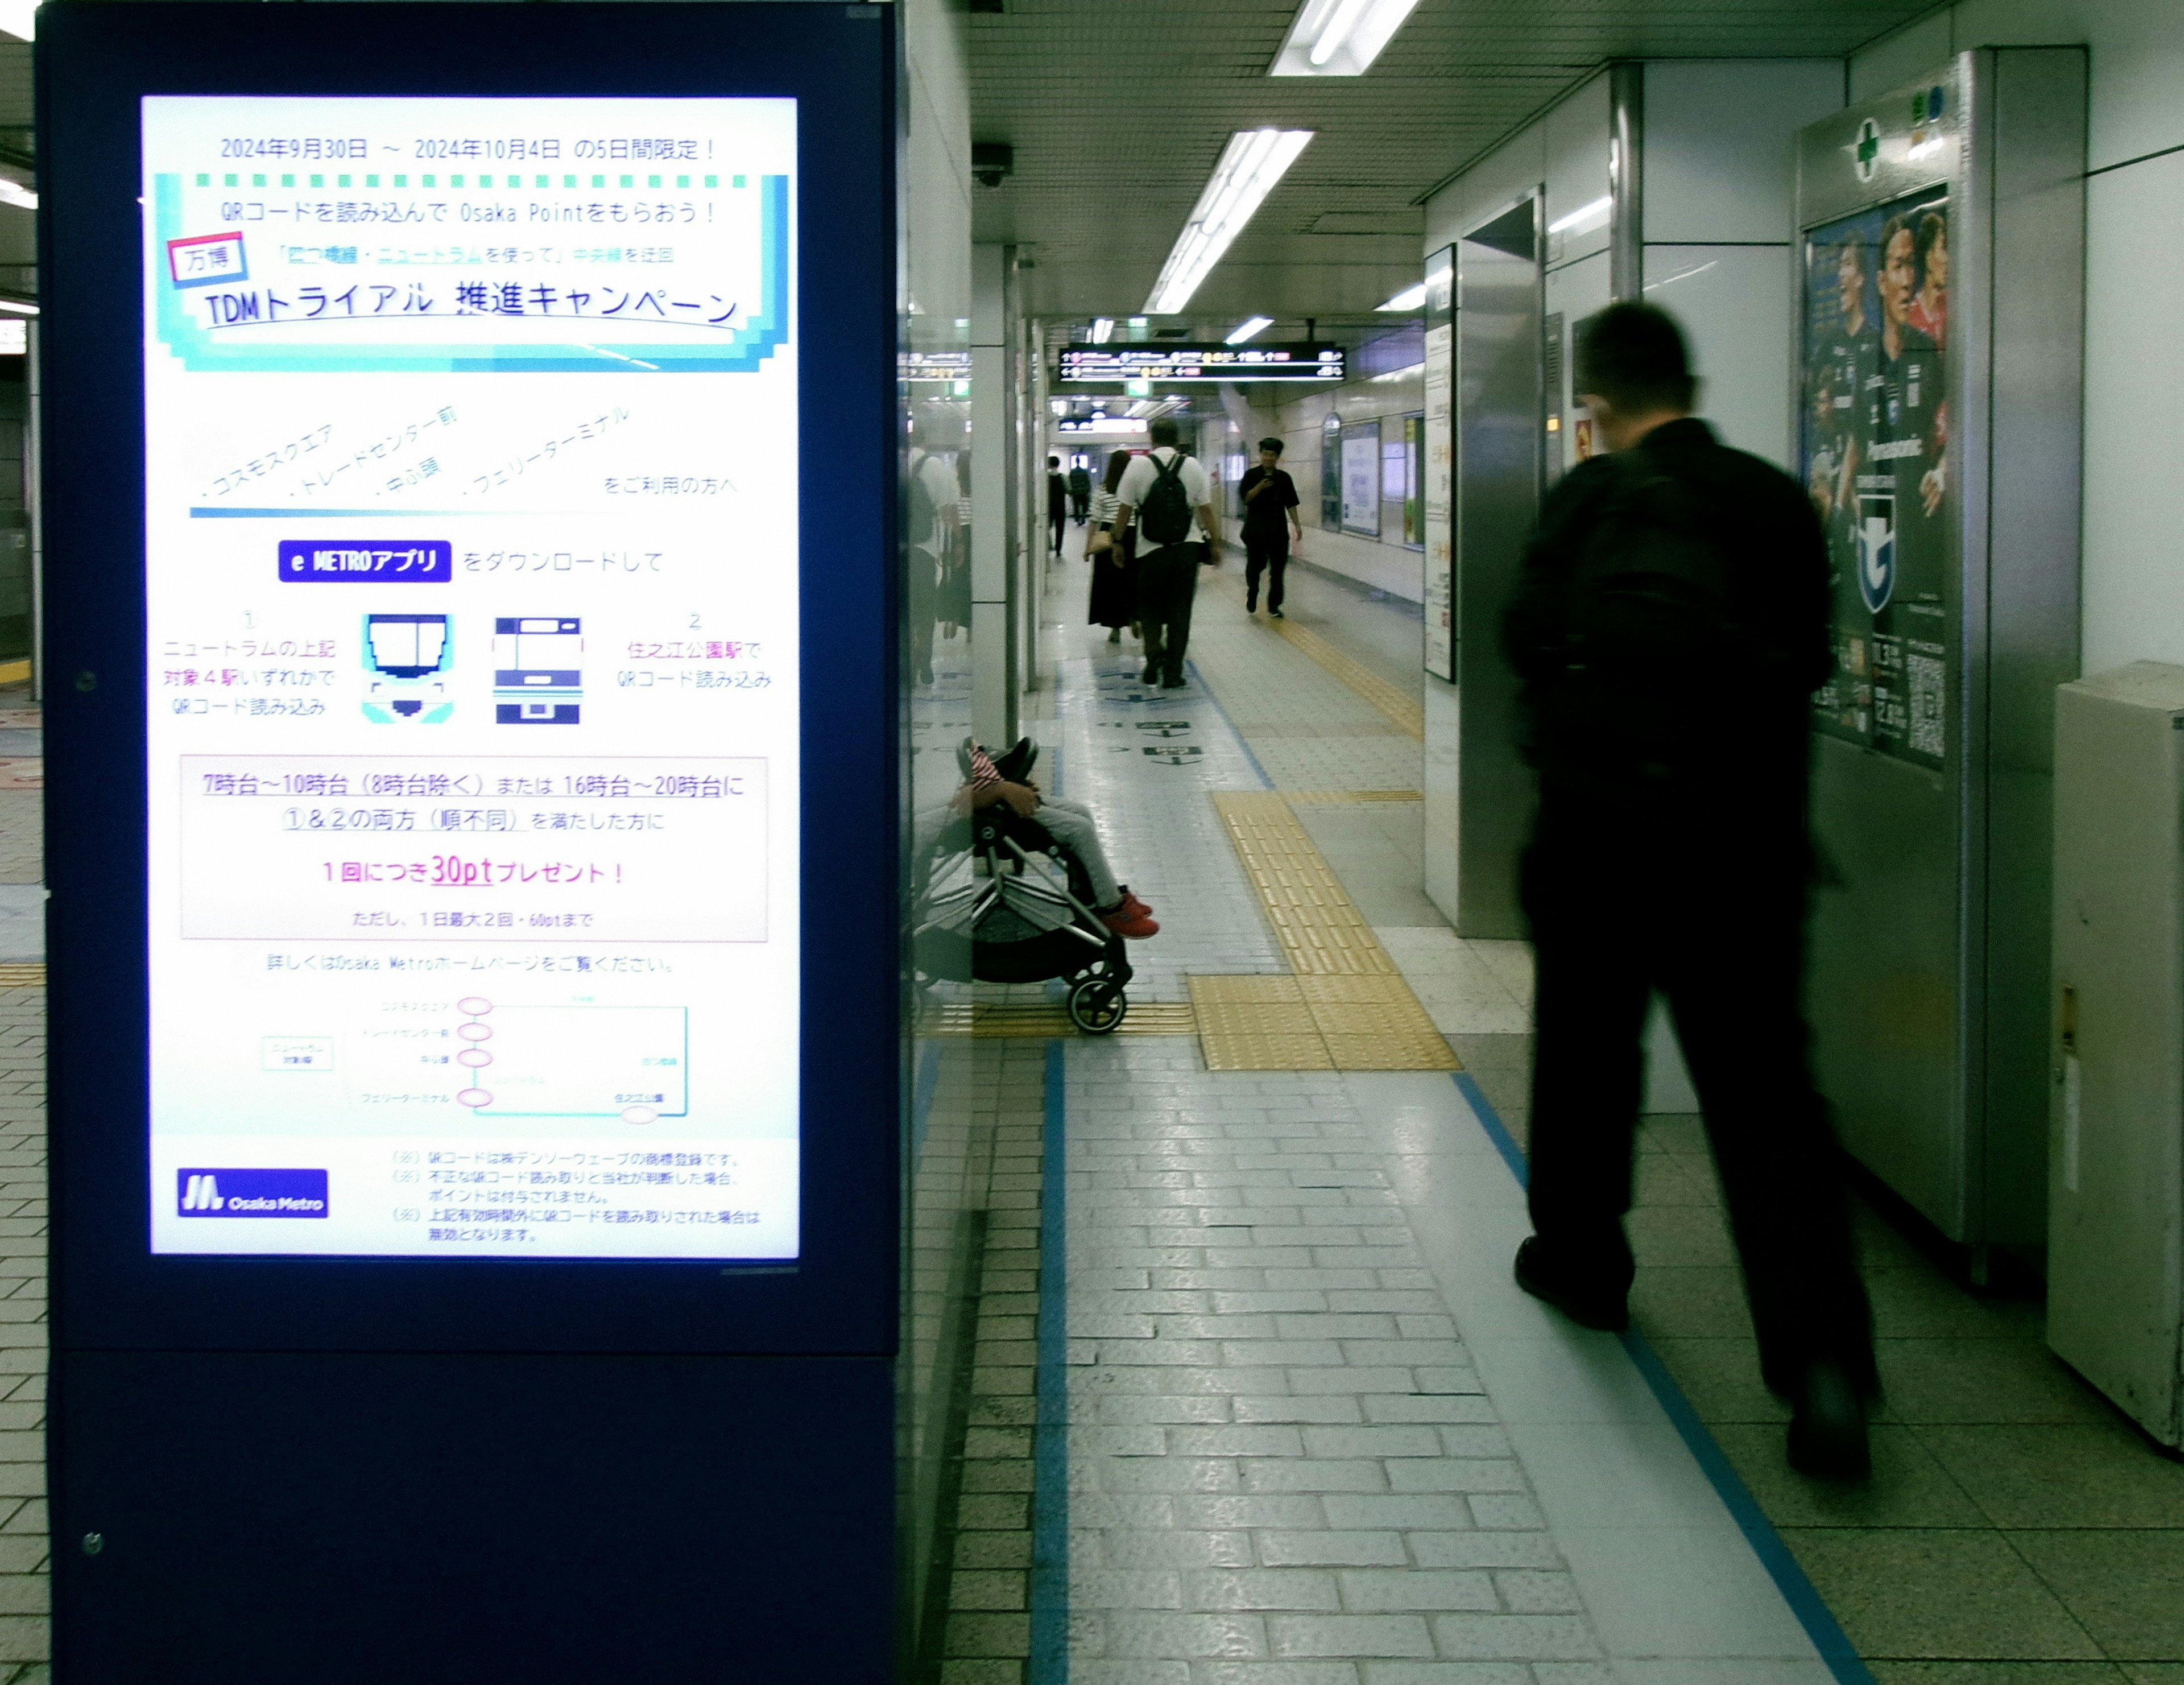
473, 909
1301, 362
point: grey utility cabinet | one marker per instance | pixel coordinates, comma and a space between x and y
2115, 1246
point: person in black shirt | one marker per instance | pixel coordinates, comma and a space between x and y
1669, 626
1057, 503
1270, 524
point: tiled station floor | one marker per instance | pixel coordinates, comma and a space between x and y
24, 1572
1296, 1427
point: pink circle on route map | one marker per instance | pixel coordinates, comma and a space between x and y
473, 1032
476, 1005
474, 1058
474, 1097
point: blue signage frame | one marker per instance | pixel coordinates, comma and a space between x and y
95, 63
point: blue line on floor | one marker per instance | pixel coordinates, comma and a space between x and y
1049, 1500
920, 1100
1804, 1601
1198, 679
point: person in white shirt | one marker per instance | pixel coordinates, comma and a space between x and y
933, 518
1170, 498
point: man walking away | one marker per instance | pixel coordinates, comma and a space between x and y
1669, 630
1057, 504
1080, 492
1172, 499
1269, 495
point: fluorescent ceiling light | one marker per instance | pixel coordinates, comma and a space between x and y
1585, 215
1137, 321
1338, 37
20, 18
19, 306
1103, 329
15, 193
1249, 330
1410, 298
1252, 162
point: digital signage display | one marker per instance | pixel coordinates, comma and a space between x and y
472, 588
1201, 362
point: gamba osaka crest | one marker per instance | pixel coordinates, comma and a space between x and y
1876, 548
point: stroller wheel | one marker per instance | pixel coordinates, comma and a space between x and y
1097, 1005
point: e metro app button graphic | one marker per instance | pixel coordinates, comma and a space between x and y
232, 1192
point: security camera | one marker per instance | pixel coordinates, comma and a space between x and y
992, 162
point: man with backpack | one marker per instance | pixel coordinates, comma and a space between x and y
1080, 491
1669, 630
1170, 498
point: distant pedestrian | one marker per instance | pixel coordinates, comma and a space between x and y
933, 523
1111, 550
1271, 528
1671, 855
1080, 491
1170, 498
1057, 503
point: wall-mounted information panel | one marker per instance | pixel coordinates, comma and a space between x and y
472, 729
1302, 362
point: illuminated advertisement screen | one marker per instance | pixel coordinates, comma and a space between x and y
1874, 446
471, 571
1201, 362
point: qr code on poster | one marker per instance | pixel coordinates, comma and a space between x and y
1923, 673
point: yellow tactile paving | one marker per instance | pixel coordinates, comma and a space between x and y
1336, 798
22, 976
1345, 1002
1402, 709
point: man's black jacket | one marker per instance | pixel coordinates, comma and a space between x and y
1749, 709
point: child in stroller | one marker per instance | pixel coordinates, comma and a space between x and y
1017, 889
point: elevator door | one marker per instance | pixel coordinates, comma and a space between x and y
1499, 399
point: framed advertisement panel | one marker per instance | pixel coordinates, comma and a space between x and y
1361, 479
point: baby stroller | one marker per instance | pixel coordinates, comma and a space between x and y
1000, 900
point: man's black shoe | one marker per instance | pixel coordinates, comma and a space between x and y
1276, 614
1149, 676
1827, 1437
1607, 1312
1173, 683
1251, 602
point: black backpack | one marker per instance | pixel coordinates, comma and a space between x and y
1650, 632
1167, 516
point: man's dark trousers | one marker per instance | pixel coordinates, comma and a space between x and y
1705, 902
1167, 586
1270, 556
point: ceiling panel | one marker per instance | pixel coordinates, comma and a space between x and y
1118, 108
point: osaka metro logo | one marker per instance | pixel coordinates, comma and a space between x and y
201, 1193
227, 1192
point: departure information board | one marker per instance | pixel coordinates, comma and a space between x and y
1201, 362
471, 569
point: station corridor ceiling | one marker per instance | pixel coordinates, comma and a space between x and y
1117, 110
